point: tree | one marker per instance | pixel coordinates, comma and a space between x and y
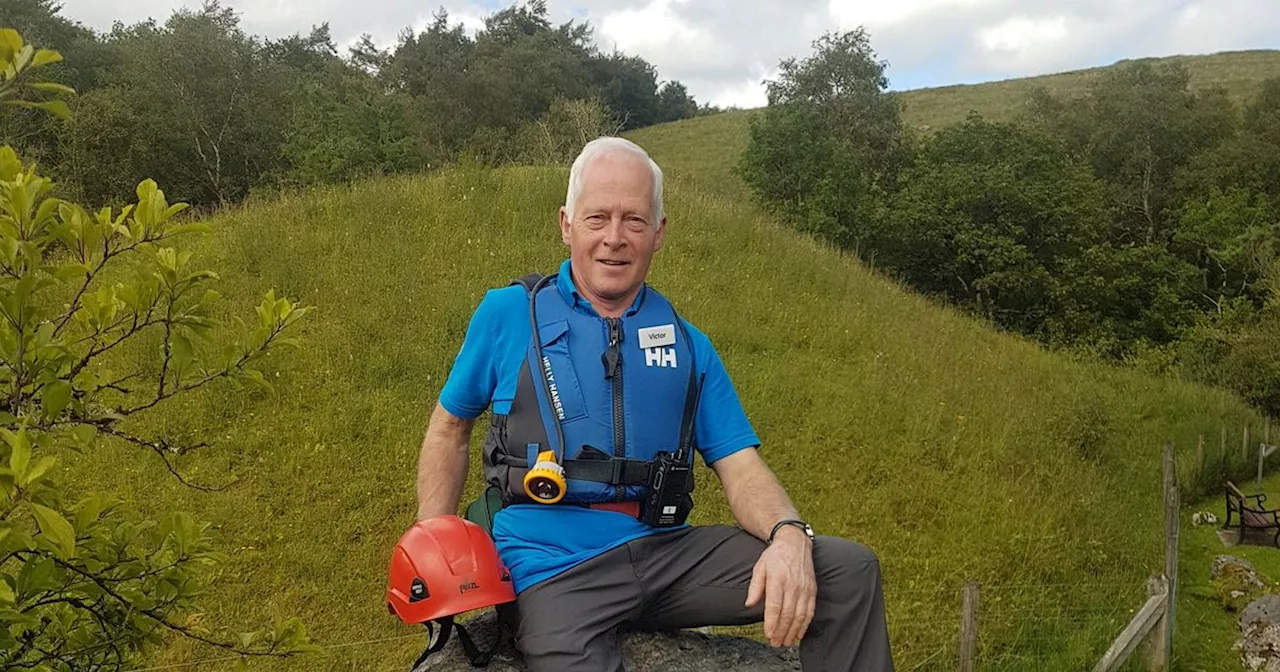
560, 134
366, 56
206, 101
994, 217
83, 585
522, 65
1137, 125
830, 145
1249, 159
675, 103
434, 69
342, 128
628, 89
1239, 348
33, 132
1233, 236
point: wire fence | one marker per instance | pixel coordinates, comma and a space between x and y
1024, 625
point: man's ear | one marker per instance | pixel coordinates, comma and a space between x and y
661, 235
564, 225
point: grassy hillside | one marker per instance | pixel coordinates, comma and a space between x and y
1239, 72
956, 452
707, 148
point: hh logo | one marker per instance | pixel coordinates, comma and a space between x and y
660, 357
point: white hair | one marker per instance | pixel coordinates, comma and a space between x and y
601, 147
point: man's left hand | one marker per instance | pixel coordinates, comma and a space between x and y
784, 577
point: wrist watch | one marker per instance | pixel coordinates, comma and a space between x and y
808, 531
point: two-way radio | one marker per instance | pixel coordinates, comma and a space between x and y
668, 499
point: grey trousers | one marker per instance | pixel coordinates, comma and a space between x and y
694, 577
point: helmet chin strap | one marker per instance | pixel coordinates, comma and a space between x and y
477, 657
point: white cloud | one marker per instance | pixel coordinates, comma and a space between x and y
1020, 33
656, 33
873, 13
722, 49
748, 94
1220, 25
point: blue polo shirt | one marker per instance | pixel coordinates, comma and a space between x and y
537, 541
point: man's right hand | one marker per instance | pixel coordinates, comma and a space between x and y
784, 577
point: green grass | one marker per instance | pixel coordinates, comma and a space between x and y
707, 148
1206, 629
955, 451
1240, 73
703, 150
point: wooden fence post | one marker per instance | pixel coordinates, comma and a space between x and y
1157, 647
969, 627
1144, 626
1171, 506
1262, 455
1199, 459
1264, 451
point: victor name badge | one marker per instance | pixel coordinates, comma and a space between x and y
657, 337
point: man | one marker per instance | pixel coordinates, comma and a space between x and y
613, 377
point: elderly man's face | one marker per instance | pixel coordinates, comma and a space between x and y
612, 237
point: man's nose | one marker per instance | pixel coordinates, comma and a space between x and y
613, 235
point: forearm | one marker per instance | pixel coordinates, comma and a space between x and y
755, 496
442, 464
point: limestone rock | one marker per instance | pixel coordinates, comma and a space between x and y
682, 651
1260, 626
1260, 649
1241, 568
1261, 612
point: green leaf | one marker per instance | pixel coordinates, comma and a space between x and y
57, 108
24, 56
40, 468
72, 271
181, 352
53, 87
56, 528
10, 43
85, 434
16, 540
21, 454
10, 166
90, 509
56, 397
45, 57
6, 593
36, 576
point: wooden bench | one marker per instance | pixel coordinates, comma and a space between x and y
1256, 517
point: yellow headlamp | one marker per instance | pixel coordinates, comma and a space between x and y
545, 481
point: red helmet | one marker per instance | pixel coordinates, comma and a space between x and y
445, 566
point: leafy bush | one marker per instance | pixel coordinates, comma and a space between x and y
559, 135
828, 149
83, 585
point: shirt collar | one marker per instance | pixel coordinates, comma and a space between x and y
569, 292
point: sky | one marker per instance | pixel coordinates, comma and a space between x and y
723, 50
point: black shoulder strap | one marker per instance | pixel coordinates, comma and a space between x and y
527, 281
